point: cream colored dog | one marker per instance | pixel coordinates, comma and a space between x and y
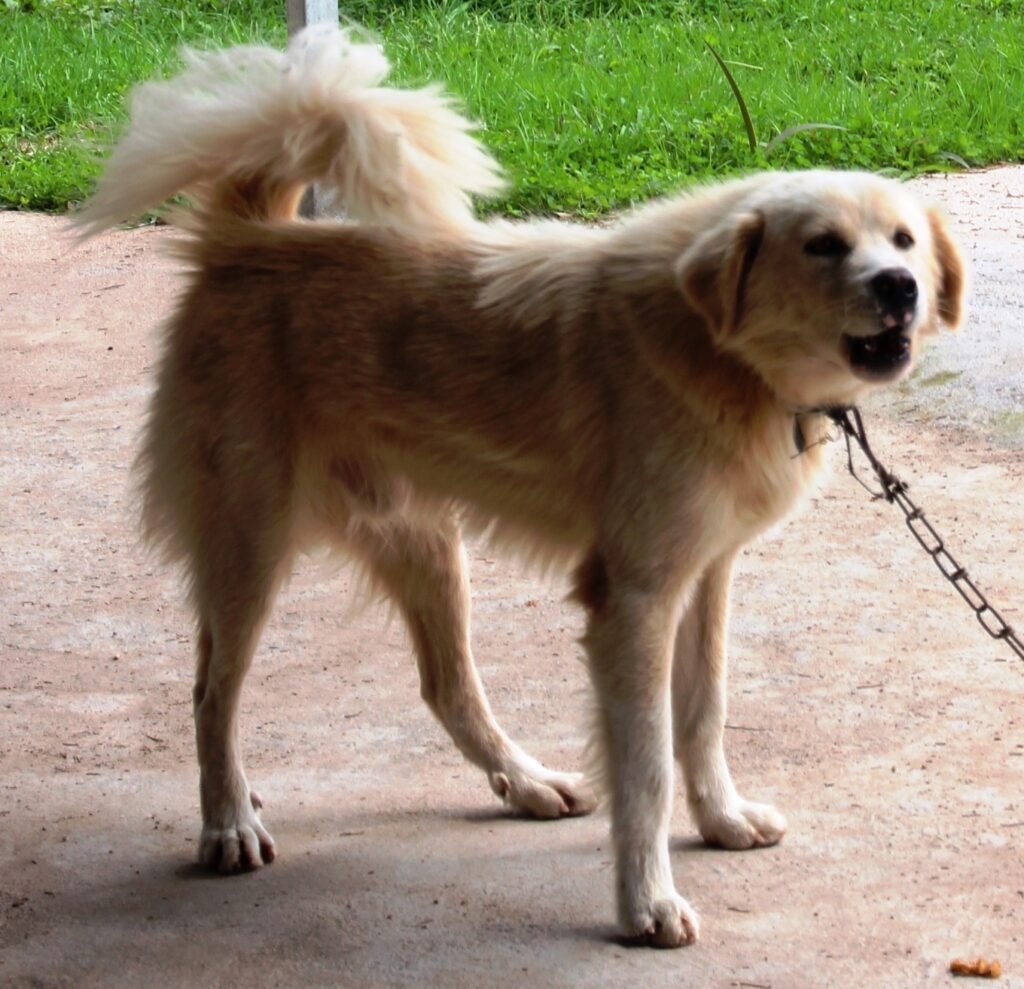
628, 402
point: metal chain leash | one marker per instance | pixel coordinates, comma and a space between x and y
895, 491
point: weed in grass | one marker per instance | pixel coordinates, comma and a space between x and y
748, 123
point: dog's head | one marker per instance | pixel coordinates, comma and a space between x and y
824, 282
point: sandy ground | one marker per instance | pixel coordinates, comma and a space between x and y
865, 702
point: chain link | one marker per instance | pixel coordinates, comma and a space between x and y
895, 491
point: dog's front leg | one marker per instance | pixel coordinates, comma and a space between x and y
629, 640
723, 817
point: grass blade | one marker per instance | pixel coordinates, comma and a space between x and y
955, 158
797, 129
747, 122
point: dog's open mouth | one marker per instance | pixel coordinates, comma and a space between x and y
878, 355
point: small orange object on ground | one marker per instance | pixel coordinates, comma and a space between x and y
980, 967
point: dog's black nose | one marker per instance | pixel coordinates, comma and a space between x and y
895, 289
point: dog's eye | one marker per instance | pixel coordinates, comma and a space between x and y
828, 245
903, 240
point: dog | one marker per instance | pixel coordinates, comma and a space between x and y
632, 404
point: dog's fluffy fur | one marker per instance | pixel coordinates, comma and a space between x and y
623, 402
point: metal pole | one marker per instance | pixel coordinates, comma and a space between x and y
302, 13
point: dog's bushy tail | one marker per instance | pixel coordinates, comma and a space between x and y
243, 131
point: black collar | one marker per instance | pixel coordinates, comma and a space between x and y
837, 413
798, 435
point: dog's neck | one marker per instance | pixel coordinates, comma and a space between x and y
680, 349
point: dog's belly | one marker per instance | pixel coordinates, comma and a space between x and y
522, 500
524, 496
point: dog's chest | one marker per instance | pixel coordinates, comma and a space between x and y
769, 476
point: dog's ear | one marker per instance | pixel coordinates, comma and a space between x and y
712, 273
951, 270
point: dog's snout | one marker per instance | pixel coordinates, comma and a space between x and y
895, 289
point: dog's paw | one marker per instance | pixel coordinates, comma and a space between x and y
668, 922
544, 794
239, 842
742, 824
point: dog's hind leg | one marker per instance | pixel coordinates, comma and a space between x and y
424, 572
236, 579
723, 817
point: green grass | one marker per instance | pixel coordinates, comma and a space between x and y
590, 104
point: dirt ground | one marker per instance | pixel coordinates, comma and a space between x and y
865, 703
